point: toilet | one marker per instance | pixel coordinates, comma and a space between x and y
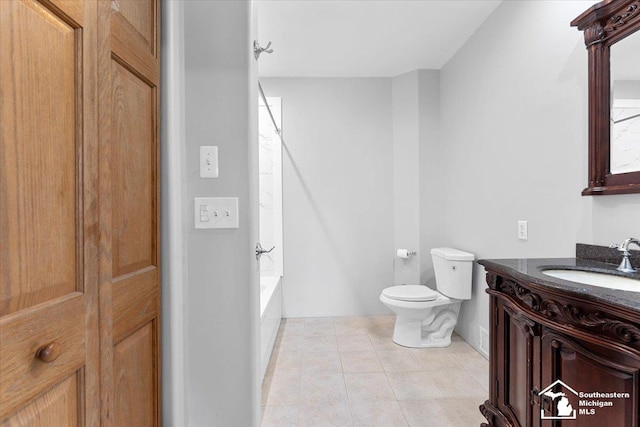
426, 317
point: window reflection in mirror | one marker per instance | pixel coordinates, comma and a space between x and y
625, 105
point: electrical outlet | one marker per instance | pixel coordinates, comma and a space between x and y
523, 230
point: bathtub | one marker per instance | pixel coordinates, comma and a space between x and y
270, 316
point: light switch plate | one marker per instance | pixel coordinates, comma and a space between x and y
523, 230
216, 212
208, 161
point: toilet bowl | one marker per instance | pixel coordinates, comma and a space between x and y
426, 317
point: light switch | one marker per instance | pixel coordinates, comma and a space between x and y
216, 212
208, 161
204, 213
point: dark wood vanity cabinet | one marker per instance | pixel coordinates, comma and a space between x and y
551, 352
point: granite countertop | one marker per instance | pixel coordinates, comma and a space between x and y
530, 269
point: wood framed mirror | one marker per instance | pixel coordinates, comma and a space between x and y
610, 33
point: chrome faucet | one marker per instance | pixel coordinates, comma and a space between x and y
625, 265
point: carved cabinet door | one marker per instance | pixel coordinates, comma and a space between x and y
581, 376
517, 372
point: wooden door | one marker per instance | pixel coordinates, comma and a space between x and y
129, 200
79, 213
49, 362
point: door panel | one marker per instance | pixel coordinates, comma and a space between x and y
57, 407
39, 157
134, 302
520, 348
520, 336
48, 235
135, 382
130, 286
23, 375
135, 21
134, 180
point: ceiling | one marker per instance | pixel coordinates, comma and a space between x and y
364, 38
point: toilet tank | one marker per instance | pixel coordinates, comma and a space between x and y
454, 271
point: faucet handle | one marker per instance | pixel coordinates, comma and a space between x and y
625, 265
614, 246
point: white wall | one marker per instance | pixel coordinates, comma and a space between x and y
174, 226
417, 173
431, 197
221, 297
514, 142
338, 194
406, 176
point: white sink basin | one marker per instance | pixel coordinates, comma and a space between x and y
596, 279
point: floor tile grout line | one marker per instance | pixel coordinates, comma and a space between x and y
346, 392
404, 415
300, 391
376, 352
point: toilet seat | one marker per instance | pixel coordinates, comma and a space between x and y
410, 293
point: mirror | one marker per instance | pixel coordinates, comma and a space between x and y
625, 105
614, 95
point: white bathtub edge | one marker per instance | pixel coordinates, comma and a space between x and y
270, 316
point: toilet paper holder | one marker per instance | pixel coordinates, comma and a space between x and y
405, 253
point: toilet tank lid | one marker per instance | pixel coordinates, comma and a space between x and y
452, 254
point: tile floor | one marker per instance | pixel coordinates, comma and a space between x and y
346, 371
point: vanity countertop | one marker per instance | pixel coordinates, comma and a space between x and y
530, 270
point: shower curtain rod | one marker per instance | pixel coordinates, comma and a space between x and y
273, 120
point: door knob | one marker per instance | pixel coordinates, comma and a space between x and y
48, 353
534, 396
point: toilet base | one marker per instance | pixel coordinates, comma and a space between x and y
433, 331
